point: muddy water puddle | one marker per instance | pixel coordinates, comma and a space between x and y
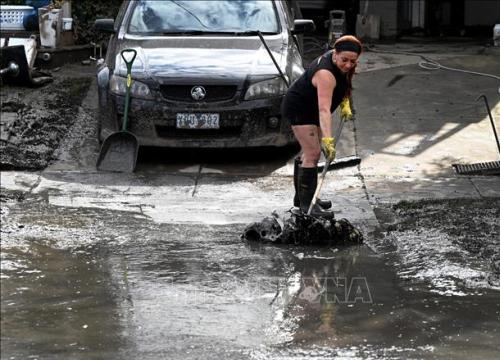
116, 286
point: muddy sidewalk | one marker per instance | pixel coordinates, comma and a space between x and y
35, 120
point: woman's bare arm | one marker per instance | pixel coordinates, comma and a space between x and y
325, 83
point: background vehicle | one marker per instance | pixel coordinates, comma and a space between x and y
207, 73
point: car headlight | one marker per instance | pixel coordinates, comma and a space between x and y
118, 85
265, 89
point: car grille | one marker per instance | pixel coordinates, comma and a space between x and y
183, 92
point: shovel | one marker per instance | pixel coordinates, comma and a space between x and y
119, 150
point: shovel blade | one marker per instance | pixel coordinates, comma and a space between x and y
118, 153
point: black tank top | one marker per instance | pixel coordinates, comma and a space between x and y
302, 97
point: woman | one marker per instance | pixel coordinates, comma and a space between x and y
309, 104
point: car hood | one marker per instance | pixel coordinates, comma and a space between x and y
185, 59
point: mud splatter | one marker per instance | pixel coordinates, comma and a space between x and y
452, 244
37, 120
299, 229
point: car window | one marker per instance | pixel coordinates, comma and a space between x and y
150, 16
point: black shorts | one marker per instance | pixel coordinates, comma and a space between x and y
291, 112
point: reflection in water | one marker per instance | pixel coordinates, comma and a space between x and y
149, 291
321, 281
346, 302
58, 305
201, 289
326, 283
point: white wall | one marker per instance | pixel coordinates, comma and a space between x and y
482, 12
313, 4
388, 12
418, 13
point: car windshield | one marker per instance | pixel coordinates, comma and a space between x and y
198, 17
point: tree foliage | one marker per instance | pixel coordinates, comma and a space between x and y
84, 13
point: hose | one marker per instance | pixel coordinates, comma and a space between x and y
434, 65
430, 64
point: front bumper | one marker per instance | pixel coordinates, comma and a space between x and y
242, 124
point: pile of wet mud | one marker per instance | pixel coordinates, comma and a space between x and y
453, 243
296, 228
35, 120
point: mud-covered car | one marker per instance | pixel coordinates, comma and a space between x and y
206, 74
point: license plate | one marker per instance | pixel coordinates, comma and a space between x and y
197, 121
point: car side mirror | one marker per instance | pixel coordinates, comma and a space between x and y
302, 26
105, 25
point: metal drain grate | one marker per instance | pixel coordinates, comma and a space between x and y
486, 168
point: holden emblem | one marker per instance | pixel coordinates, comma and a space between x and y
198, 92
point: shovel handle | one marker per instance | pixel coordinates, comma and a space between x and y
129, 63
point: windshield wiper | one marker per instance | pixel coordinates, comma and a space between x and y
259, 34
190, 13
213, 32
188, 32
252, 33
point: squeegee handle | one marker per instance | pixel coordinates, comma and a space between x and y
318, 189
491, 119
128, 55
325, 169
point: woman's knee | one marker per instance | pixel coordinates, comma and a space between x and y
311, 156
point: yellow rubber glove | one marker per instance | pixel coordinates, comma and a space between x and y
328, 147
345, 109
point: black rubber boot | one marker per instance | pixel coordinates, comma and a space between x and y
308, 180
325, 204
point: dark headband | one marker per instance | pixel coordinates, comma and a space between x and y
348, 46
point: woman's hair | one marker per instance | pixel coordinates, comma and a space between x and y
348, 43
